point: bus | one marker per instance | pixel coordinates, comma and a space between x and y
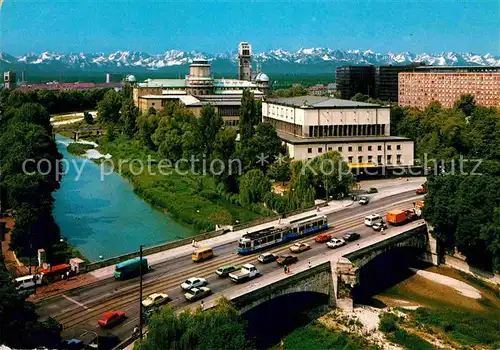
55, 273
131, 268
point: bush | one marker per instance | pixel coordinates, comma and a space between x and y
388, 323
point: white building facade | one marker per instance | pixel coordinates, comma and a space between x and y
360, 132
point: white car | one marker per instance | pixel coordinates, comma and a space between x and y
335, 242
194, 282
155, 300
372, 219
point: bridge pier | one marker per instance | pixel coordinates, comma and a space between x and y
347, 277
76, 135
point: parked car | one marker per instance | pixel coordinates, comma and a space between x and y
351, 236
287, 260
335, 242
372, 190
194, 282
111, 319
267, 258
224, 271
155, 299
421, 190
197, 293
379, 225
322, 238
363, 200
299, 247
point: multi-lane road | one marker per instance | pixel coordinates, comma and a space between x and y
78, 310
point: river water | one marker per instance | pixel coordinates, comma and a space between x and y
106, 217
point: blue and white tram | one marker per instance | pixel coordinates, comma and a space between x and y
307, 226
255, 241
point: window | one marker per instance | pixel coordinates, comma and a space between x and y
370, 159
398, 158
379, 148
340, 149
349, 149
349, 159
389, 159
320, 150
309, 150
360, 159
152, 104
379, 159
360, 148
398, 147
369, 148
389, 147
329, 149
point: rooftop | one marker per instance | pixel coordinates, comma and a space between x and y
320, 102
338, 139
163, 83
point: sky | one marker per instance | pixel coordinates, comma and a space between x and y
155, 26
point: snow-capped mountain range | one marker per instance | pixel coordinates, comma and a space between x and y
134, 60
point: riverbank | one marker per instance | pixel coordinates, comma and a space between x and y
190, 198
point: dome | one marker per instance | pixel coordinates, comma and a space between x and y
262, 77
131, 78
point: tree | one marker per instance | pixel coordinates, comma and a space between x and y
128, 117
248, 116
359, 97
220, 327
108, 109
253, 187
224, 150
466, 104
280, 170
88, 118
262, 148
209, 125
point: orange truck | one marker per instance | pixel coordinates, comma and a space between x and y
399, 216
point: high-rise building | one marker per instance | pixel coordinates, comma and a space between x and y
355, 79
444, 84
386, 81
9, 80
244, 61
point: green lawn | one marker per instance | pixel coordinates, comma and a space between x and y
190, 198
79, 148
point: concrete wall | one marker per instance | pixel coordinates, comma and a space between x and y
316, 279
458, 262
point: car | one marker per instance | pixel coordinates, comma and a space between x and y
197, 293
155, 299
335, 242
351, 236
287, 260
299, 247
372, 190
371, 219
111, 319
379, 225
267, 258
421, 191
363, 200
194, 282
322, 238
224, 271
104, 342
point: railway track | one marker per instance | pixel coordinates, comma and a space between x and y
127, 295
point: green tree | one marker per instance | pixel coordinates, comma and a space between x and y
108, 109
88, 118
224, 150
254, 186
146, 126
220, 327
128, 117
466, 104
280, 170
262, 148
248, 116
209, 125
359, 97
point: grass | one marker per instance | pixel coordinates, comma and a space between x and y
317, 336
79, 148
190, 198
466, 328
389, 324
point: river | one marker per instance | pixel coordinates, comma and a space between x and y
106, 217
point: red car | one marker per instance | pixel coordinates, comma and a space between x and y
111, 319
322, 238
421, 191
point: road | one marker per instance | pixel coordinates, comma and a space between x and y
79, 309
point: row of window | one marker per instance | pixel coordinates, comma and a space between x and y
347, 130
360, 148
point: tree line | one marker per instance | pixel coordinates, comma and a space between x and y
463, 202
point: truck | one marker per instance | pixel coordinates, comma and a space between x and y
247, 272
400, 217
131, 268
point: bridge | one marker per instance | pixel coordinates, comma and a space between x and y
333, 273
82, 132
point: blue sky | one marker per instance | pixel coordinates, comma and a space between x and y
216, 26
